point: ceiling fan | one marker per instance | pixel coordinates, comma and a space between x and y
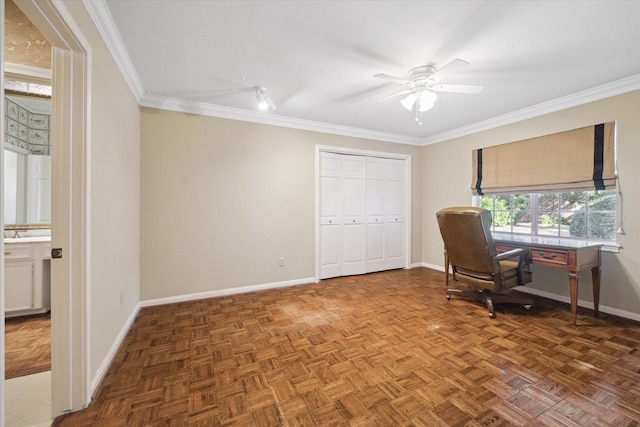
423, 82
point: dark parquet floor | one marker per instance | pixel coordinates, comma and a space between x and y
27, 345
384, 349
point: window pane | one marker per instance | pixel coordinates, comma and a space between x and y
572, 201
602, 226
486, 202
548, 201
602, 200
548, 224
572, 225
503, 202
502, 222
522, 201
522, 222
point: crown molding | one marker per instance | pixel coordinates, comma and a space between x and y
205, 109
597, 93
103, 20
101, 17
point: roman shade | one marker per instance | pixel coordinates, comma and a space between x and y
575, 160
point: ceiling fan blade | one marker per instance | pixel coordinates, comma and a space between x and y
450, 68
393, 95
395, 79
470, 89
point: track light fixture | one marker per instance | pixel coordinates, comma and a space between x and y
264, 102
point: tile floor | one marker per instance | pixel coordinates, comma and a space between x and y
28, 401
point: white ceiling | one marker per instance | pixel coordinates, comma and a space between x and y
317, 59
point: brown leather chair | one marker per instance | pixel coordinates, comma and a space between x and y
469, 249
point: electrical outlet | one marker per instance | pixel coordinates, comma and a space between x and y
281, 261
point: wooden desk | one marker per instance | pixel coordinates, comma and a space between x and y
569, 255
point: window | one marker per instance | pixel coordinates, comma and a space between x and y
581, 215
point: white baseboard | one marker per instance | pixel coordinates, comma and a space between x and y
556, 297
106, 362
226, 292
581, 303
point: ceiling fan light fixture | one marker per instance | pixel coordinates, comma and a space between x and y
427, 100
409, 101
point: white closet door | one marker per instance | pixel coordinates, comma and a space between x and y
353, 215
395, 214
330, 216
375, 215
362, 214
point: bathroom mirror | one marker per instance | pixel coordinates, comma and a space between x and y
27, 156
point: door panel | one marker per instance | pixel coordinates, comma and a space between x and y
395, 245
375, 247
330, 265
353, 242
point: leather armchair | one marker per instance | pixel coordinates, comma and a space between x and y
471, 252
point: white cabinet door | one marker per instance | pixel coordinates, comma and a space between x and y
18, 290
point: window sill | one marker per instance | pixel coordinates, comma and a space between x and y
610, 247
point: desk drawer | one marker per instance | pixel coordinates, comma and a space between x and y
549, 256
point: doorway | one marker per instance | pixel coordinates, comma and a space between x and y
27, 209
69, 365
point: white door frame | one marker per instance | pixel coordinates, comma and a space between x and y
70, 274
353, 151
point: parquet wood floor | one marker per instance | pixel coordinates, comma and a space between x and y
384, 349
27, 345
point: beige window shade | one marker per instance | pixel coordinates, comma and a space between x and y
579, 159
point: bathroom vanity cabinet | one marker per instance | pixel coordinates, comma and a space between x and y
27, 276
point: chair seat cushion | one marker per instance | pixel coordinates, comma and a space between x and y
509, 276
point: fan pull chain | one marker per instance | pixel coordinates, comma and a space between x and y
418, 113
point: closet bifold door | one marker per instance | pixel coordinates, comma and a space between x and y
353, 215
395, 202
362, 218
376, 230
330, 215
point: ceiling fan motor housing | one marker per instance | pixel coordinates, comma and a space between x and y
420, 75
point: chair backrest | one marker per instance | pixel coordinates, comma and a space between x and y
466, 232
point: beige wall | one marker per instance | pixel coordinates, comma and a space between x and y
447, 177
222, 200
114, 168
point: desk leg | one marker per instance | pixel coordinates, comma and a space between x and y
595, 279
446, 270
573, 291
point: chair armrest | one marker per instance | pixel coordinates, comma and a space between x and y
513, 253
